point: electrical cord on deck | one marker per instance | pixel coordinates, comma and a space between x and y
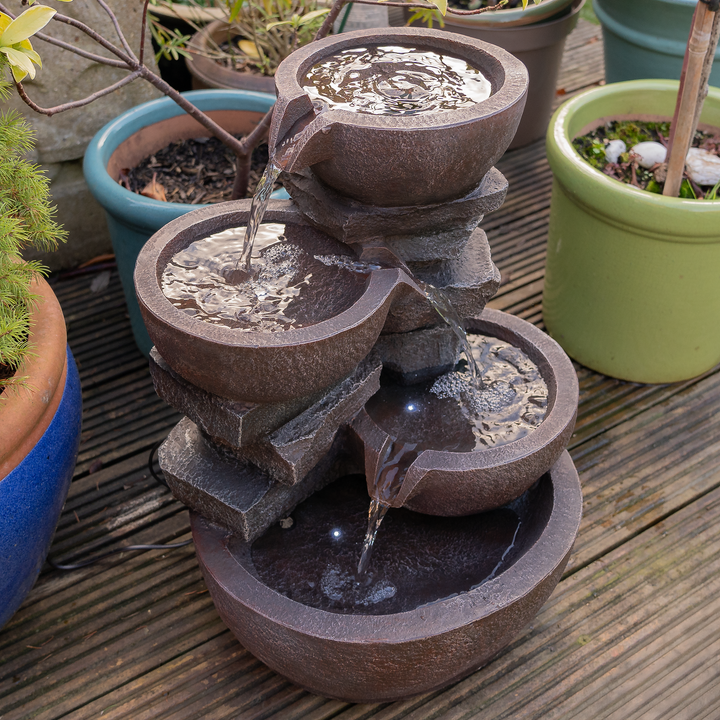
127, 548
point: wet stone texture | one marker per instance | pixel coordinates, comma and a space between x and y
233, 422
415, 234
416, 356
234, 494
291, 452
468, 282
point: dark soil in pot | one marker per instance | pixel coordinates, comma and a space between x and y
198, 170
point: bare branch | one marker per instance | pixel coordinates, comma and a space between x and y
99, 39
76, 103
83, 53
117, 27
330, 18
222, 135
144, 21
253, 139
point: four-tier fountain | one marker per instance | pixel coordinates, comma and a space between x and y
326, 367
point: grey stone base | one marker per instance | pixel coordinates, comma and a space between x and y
291, 452
285, 440
236, 495
231, 422
414, 234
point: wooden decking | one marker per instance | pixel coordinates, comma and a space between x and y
632, 631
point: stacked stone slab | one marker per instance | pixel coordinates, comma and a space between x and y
247, 465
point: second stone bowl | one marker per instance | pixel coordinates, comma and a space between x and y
464, 483
256, 366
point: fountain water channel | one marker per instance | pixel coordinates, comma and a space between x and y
316, 343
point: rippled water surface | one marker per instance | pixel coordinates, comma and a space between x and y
395, 80
289, 287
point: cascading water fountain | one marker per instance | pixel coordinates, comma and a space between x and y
317, 367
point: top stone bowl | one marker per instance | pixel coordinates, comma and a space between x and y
393, 160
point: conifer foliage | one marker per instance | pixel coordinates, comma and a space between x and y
26, 220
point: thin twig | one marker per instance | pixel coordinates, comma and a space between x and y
83, 53
76, 103
118, 29
99, 39
142, 31
330, 18
222, 135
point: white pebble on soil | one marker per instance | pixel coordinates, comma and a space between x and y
649, 153
703, 166
614, 149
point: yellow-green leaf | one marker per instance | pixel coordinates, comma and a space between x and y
271, 25
26, 24
441, 5
312, 15
249, 48
27, 48
5, 20
19, 60
18, 74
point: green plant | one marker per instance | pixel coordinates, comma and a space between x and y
25, 221
260, 33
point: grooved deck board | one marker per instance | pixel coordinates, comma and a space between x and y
631, 633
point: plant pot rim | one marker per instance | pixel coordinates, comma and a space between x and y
631, 206
512, 17
25, 413
120, 201
209, 72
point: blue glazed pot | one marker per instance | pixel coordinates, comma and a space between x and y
647, 38
133, 218
32, 497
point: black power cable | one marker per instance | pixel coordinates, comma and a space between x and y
127, 548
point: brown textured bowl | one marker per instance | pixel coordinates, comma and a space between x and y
390, 160
455, 483
256, 366
381, 658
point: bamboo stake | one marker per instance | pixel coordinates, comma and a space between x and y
707, 69
688, 96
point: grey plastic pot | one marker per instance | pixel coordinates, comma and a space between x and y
647, 38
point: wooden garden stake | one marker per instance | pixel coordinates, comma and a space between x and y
690, 98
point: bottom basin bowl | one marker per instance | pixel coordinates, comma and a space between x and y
380, 655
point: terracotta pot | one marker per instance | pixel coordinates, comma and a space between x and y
439, 156
372, 658
209, 74
38, 448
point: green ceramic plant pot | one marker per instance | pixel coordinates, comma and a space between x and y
646, 38
632, 286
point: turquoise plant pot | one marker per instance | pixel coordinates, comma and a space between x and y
647, 38
631, 283
136, 134
32, 496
